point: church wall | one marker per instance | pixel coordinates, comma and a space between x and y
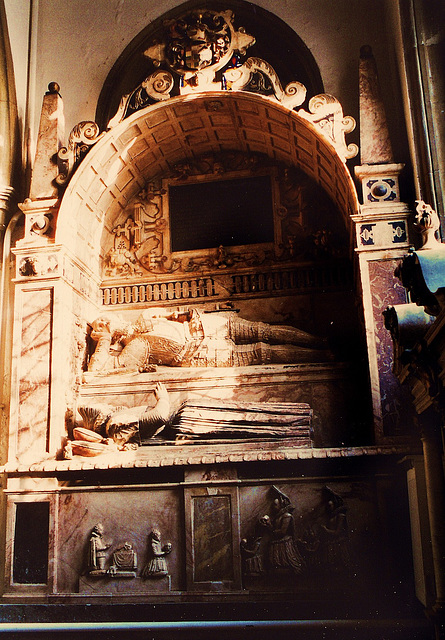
76, 44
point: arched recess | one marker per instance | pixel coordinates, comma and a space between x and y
275, 42
152, 141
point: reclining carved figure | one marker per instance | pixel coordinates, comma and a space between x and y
107, 429
198, 339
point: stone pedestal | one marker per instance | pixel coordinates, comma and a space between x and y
123, 585
382, 240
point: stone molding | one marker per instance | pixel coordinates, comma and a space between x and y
163, 456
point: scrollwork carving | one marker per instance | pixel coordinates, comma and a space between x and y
240, 78
326, 113
156, 87
82, 137
159, 85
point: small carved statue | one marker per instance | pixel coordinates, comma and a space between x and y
157, 565
334, 533
253, 564
195, 339
97, 551
283, 553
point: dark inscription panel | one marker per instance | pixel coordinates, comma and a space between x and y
212, 537
31, 538
206, 215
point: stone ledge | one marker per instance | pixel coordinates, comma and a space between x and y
174, 378
207, 454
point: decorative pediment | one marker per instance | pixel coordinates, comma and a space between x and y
202, 52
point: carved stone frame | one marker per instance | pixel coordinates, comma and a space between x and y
11, 509
230, 496
238, 250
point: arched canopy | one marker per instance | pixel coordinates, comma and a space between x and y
152, 141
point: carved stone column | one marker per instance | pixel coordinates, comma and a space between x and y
53, 295
382, 239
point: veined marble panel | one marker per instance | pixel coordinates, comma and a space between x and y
127, 515
35, 371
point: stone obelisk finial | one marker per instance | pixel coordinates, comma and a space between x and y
49, 141
375, 144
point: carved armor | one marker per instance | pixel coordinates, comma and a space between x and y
195, 339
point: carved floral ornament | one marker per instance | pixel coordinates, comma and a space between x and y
201, 52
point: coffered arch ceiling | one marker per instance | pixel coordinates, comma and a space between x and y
152, 141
